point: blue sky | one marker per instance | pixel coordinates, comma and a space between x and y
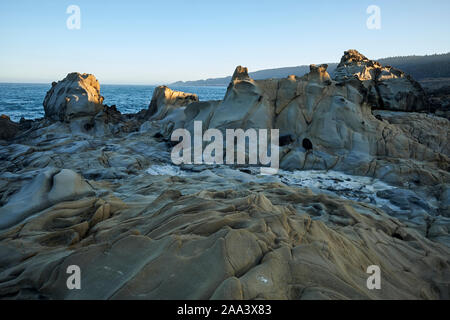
155, 42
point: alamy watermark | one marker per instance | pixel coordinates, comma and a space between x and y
237, 150
73, 22
374, 20
74, 280
374, 281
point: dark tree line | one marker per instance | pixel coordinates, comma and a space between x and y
419, 67
422, 67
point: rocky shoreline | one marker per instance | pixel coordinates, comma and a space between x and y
92, 187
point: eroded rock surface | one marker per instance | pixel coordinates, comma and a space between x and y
388, 88
259, 241
74, 96
49, 187
165, 100
337, 119
98, 190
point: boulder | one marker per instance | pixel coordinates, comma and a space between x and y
77, 95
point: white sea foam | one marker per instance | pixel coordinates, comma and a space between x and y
166, 170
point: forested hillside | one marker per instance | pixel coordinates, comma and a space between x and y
422, 67
419, 67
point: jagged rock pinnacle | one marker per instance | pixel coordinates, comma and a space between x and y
241, 73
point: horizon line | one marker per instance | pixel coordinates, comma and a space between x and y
218, 77
111, 84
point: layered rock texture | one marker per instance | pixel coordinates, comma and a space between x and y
90, 187
338, 119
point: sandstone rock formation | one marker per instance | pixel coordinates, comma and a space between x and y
241, 73
260, 241
165, 100
337, 119
99, 191
74, 96
388, 88
318, 73
49, 187
76, 100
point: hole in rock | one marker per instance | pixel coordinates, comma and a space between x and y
158, 136
88, 126
397, 235
307, 144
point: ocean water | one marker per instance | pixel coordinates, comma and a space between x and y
25, 100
